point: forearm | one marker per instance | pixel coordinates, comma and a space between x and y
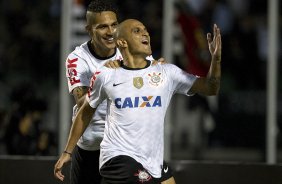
212, 80
79, 125
80, 101
214, 75
210, 84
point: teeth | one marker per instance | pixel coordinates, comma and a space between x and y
145, 41
110, 39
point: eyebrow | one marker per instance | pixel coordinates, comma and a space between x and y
101, 25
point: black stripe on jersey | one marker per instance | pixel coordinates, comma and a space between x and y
127, 68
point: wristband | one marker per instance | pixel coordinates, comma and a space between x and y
67, 152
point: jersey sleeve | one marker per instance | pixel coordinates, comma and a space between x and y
181, 81
76, 71
96, 92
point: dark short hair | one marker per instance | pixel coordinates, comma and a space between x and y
98, 6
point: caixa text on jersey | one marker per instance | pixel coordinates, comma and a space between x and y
136, 102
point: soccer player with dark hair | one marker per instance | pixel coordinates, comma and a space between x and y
101, 23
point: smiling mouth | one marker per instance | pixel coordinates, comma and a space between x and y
109, 39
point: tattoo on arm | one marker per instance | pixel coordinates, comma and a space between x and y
79, 94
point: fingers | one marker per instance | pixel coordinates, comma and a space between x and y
116, 64
113, 64
217, 43
58, 170
214, 31
59, 175
161, 61
214, 42
209, 38
216, 34
218, 38
154, 62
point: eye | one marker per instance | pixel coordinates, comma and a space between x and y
136, 30
114, 24
103, 27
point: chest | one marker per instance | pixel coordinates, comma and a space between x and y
138, 87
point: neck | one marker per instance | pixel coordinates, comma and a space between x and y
102, 52
136, 62
133, 61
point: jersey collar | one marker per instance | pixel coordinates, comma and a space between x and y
96, 55
128, 68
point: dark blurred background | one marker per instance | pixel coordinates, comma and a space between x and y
231, 126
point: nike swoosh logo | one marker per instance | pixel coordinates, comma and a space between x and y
114, 84
166, 169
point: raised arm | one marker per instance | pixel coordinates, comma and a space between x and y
79, 125
210, 84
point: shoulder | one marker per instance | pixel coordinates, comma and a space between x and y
79, 55
80, 50
102, 76
166, 66
104, 72
169, 69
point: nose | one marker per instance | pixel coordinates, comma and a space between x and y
145, 33
111, 30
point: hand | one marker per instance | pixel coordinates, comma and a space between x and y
161, 61
59, 166
215, 43
113, 64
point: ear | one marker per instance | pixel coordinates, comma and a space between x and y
88, 29
121, 43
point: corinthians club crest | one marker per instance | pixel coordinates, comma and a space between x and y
138, 82
155, 79
143, 176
